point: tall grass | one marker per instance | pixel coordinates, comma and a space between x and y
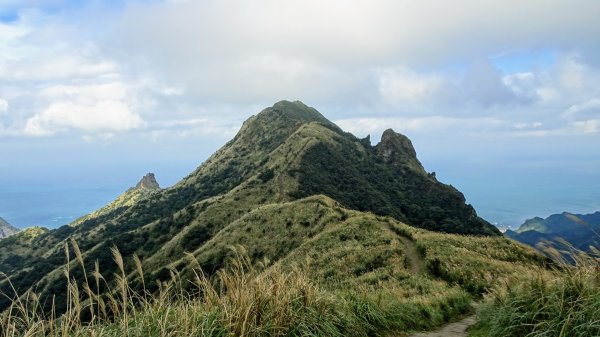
567, 304
241, 300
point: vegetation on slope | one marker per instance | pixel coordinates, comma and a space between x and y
478, 264
333, 272
566, 303
239, 301
372, 179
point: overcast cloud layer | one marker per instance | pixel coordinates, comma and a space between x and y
474, 73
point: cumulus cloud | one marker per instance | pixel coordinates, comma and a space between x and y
162, 61
398, 86
57, 83
103, 116
481, 86
358, 31
3, 105
213, 45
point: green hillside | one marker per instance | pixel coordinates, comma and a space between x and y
295, 190
379, 274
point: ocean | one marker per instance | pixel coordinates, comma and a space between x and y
52, 206
505, 200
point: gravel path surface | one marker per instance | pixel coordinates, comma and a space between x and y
456, 329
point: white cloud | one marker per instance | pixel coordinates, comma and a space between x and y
431, 124
406, 86
92, 91
358, 31
59, 82
587, 126
3, 105
483, 86
369, 59
103, 137
230, 50
572, 75
576, 128
56, 67
103, 116
589, 108
191, 128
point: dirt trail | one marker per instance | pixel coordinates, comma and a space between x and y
414, 260
456, 329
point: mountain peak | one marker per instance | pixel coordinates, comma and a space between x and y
148, 182
296, 111
397, 149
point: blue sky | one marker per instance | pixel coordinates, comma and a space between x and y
501, 99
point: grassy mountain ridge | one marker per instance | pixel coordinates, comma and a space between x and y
354, 258
151, 221
361, 177
287, 153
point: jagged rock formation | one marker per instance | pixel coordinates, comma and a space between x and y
148, 182
396, 149
145, 187
7, 229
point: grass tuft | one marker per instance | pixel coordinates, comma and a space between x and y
565, 304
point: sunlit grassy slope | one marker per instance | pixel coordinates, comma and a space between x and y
310, 267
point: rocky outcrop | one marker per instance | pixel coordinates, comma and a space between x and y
397, 149
6, 229
148, 182
145, 187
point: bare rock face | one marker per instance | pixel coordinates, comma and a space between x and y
396, 149
148, 182
6, 229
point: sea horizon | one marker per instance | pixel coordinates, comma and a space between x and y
507, 202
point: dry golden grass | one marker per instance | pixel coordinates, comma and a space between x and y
563, 303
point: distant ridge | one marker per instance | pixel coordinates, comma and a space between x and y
582, 231
6, 229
